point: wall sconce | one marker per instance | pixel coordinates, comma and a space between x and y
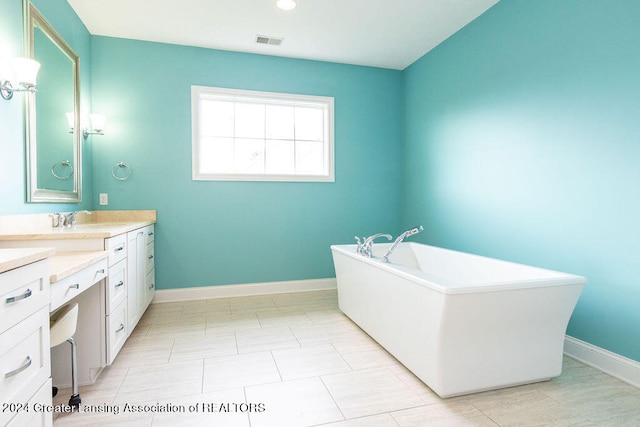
97, 123
25, 71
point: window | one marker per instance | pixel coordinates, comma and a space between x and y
241, 135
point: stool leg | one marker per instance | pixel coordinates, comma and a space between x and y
75, 397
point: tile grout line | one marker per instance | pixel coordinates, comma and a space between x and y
332, 398
276, 365
342, 357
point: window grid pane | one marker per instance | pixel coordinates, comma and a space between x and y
254, 137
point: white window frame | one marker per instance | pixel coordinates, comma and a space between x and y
203, 92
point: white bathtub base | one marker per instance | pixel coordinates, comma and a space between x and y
459, 343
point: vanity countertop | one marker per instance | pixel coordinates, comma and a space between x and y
80, 231
64, 264
100, 224
14, 258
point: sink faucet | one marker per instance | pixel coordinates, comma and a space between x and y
400, 238
364, 246
70, 219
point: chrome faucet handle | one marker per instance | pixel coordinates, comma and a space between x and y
359, 247
368, 243
69, 219
56, 220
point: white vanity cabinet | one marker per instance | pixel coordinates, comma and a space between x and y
111, 309
140, 262
25, 368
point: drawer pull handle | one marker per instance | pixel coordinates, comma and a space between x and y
26, 295
150, 257
150, 233
20, 369
151, 286
101, 271
75, 286
120, 328
140, 233
120, 283
118, 249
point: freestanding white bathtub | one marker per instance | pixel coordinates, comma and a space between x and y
461, 323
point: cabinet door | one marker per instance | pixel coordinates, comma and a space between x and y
24, 360
116, 285
136, 242
117, 331
33, 418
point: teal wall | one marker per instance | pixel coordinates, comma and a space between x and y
522, 142
12, 147
215, 233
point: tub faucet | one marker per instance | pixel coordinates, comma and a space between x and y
368, 243
364, 245
400, 238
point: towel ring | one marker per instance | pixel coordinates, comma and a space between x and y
121, 165
64, 163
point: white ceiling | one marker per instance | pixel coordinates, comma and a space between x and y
379, 33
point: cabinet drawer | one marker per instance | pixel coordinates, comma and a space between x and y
117, 248
35, 418
24, 360
23, 291
150, 287
149, 259
71, 286
149, 235
150, 281
117, 331
116, 285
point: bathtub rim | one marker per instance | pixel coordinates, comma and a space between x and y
446, 286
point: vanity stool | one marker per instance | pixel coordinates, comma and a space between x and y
62, 326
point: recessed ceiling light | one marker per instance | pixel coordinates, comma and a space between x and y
286, 4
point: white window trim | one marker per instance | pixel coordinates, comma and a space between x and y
261, 97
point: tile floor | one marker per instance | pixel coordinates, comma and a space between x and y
295, 360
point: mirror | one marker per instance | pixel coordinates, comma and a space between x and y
54, 150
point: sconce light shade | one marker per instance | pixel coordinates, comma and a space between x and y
97, 122
71, 119
97, 125
25, 71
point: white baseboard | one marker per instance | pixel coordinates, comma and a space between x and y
226, 291
610, 363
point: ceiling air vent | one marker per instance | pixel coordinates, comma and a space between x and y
268, 40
